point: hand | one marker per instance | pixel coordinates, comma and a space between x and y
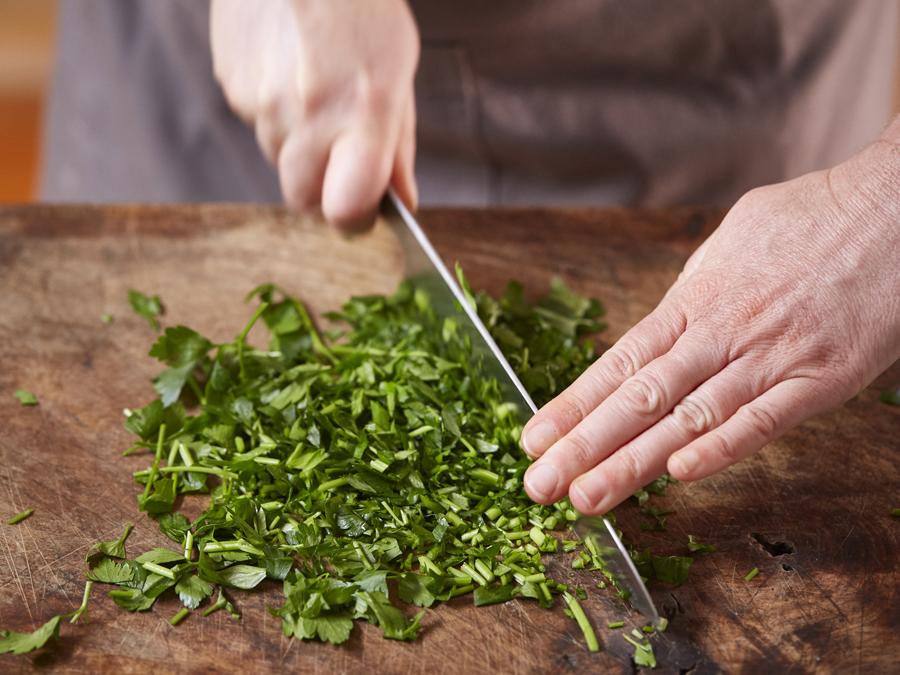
791, 307
328, 85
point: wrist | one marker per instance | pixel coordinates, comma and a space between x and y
869, 182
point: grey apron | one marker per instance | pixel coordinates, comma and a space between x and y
520, 102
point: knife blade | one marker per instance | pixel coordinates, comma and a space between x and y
601, 539
424, 269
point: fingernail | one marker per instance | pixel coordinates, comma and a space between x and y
539, 439
590, 492
687, 460
541, 481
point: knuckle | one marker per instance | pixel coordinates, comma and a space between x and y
645, 394
312, 92
762, 420
727, 450
579, 452
631, 467
695, 415
623, 362
269, 142
571, 407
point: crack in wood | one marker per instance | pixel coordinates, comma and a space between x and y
773, 548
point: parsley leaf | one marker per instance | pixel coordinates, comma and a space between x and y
19, 643
192, 589
696, 546
107, 571
671, 569
147, 307
113, 549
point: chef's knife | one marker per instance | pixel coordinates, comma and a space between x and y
424, 269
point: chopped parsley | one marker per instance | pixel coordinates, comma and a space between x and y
335, 463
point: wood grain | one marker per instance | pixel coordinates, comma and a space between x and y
811, 510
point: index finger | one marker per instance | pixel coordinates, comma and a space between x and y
649, 339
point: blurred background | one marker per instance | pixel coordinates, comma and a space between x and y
26, 57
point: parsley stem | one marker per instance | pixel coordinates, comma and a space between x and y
463, 580
83, 608
752, 574
201, 399
484, 570
124, 595
545, 591
363, 557
185, 455
155, 467
617, 624
331, 484
318, 345
589, 636
637, 645
20, 517
462, 590
485, 476
425, 563
218, 604
222, 473
175, 620
158, 569
468, 569
243, 336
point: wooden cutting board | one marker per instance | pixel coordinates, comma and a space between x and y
812, 511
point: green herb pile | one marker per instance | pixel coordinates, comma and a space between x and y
335, 463
384, 455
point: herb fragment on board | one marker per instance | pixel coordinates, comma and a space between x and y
896, 513
25, 397
643, 652
752, 574
18, 518
695, 546
21, 643
107, 318
578, 614
113, 549
147, 307
889, 397
175, 620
